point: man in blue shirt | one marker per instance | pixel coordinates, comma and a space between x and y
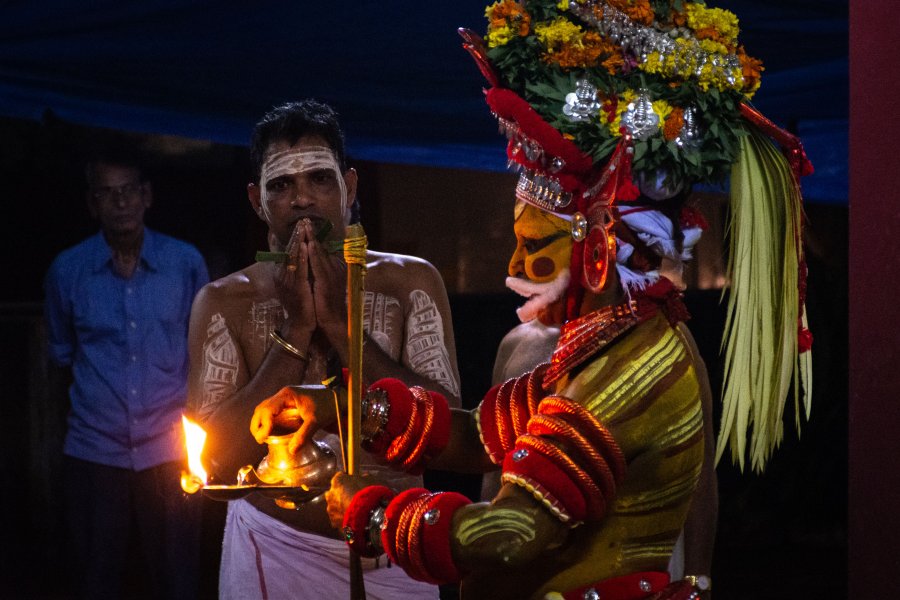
117, 308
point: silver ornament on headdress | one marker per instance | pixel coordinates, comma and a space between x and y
639, 41
581, 104
689, 137
639, 117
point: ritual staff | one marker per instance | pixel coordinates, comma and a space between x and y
274, 324
612, 110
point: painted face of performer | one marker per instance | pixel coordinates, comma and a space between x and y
303, 181
539, 267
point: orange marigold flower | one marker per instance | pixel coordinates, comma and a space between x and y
593, 51
674, 123
751, 69
614, 63
679, 19
639, 11
510, 12
709, 33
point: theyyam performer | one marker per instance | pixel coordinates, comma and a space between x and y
613, 110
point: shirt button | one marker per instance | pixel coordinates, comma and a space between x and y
129, 290
133, 392
133, 325
133, 358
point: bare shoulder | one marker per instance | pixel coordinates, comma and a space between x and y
524, 347
401, 272
234, 289
531, 332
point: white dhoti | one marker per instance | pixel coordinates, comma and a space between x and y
264, 559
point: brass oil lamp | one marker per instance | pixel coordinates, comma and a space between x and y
290, 479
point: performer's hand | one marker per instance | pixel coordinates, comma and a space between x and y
294, 283
304, 408
338, 497
329, 288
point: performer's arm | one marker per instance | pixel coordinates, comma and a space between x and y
222, 392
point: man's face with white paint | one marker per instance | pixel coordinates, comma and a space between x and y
300, 181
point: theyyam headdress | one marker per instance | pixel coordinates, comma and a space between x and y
596, 96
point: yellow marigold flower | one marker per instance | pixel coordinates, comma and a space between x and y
724, 22
555, 34
624, 100
499, 36
563, 5
713, 47
662, 110
653, 64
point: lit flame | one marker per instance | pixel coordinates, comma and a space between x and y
194, 438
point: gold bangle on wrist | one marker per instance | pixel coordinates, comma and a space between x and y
287, 346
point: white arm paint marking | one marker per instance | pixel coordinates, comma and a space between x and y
220, 365
425, 342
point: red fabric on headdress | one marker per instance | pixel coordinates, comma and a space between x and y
511, 106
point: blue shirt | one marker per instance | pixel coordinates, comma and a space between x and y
126, 342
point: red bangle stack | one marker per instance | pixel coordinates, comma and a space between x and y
418, 426
567, 460
505, 410
356, 519
417, 534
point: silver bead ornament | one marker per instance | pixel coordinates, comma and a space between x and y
639, 118
579, 227
581, 104
690, 135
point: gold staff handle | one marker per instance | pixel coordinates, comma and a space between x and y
355, 244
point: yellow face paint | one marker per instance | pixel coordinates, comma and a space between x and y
543, 245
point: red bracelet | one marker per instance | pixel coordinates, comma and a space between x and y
594, 498
356, 519
404, 442
423, 430
433, 429
487, 426
440, 435
436, 551
591, 428
549, 484
401, 401
557, 428
416, 568
518, 406
392, 519
536, 390
501, 413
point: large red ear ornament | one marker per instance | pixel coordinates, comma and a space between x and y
599, 252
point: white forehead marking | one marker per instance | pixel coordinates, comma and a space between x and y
295, 162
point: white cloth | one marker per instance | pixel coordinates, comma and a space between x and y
264, 559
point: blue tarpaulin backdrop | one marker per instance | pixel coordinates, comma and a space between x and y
406, 90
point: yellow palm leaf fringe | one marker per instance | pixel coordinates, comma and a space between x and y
760, 338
